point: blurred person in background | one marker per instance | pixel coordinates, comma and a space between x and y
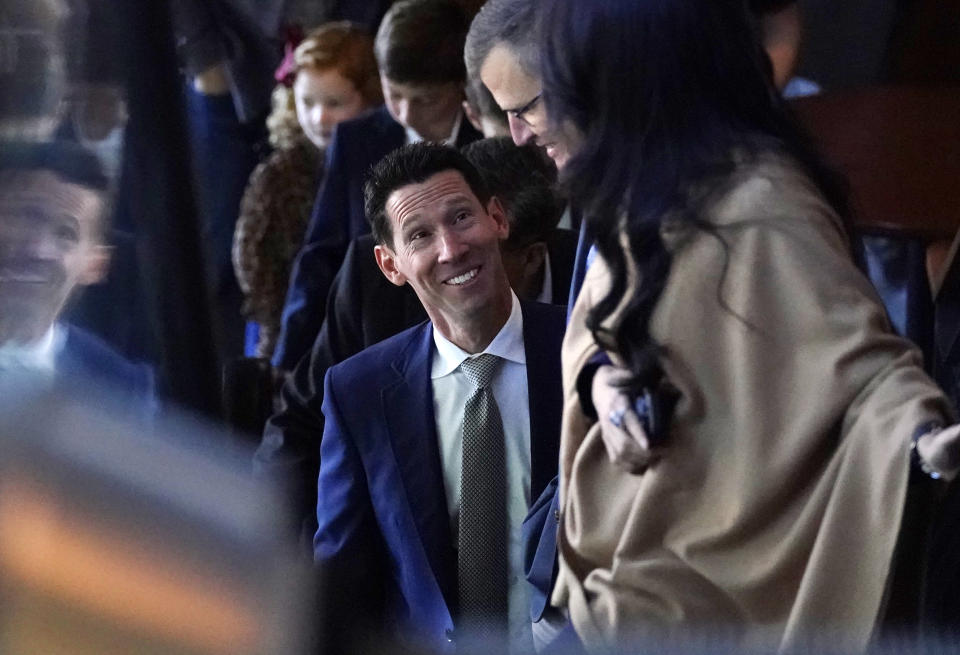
228, 51
726, 283
419, 50
781, 32
330, 77
53, 204
33, 68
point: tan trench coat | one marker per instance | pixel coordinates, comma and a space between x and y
774, 512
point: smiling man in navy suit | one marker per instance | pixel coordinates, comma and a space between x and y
397, 483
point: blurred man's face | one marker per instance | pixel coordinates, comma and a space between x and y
428, 109
518, 94
49, 244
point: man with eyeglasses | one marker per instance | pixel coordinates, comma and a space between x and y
501, 51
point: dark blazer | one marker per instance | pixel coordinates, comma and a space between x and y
338, 218
363, 308
381, 504
85, 358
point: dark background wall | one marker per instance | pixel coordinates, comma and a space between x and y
859, 42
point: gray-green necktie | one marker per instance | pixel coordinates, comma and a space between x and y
482, 537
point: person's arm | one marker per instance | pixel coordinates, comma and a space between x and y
324, 246
289, 453
291, 441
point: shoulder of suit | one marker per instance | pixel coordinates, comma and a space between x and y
95, 358
376, 361
554, 316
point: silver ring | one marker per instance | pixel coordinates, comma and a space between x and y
616, 416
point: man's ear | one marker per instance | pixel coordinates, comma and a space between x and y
387, 262
472, 116
533, 258
97, 265
497, 213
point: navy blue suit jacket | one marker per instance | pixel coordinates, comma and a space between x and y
338, 218
381, 502
87, 359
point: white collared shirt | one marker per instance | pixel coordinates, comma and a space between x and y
451, 388
414, 137
39, 356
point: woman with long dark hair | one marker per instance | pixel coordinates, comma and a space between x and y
773, 497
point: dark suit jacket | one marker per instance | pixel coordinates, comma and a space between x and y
338, 217
381, 504
85, 356
87, 360
363, 308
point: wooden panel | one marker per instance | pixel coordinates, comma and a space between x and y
900, 149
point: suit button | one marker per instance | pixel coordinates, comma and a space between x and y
556, 515
451, 634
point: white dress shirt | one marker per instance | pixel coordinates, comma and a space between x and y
451, 388
414, 137
38, 357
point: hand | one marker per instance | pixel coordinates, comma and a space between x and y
940, 451
627, 443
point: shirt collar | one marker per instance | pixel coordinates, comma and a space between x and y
414, 137
39, 355
508, 344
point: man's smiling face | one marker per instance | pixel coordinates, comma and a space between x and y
49, 244
446, 245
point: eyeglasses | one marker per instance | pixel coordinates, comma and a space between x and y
518, 113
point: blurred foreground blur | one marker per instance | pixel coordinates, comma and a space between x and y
117, 541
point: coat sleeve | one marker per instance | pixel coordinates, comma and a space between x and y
319, 259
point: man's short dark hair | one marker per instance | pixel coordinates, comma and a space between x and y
69, 161
413, 164
512, 23
524, 179
421, 42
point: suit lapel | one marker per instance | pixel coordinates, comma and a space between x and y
408, 408
541, 339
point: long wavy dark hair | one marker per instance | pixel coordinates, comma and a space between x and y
662, 93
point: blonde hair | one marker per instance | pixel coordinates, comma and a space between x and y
282, 122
